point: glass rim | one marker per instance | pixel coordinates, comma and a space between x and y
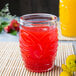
54, 18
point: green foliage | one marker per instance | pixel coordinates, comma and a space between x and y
5, 11
1, 28
13, 32
2, 25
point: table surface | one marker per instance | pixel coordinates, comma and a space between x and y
4, 37
11, 63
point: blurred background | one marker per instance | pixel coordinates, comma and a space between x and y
20, 7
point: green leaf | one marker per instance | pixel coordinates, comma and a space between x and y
13, 32
1, 28
4, 24
5, 11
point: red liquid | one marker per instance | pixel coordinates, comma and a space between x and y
38, 47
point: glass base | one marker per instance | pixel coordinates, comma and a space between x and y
32, 70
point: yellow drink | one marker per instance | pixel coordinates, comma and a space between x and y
67, 12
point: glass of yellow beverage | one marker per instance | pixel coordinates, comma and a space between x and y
67, 13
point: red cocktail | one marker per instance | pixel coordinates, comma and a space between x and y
38, 41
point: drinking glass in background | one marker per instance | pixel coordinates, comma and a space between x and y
67, 14
38, 41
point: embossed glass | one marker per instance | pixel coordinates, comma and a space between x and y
38, 41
